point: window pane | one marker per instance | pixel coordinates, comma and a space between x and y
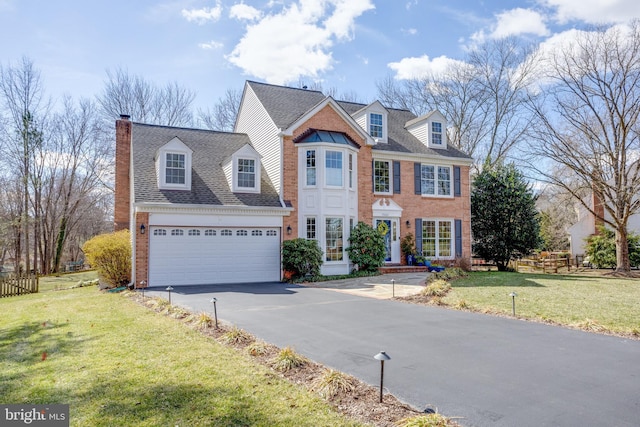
375, 126
246, 173
444, 181
175, 169
436, 133
333, 162
427, 180
311, 167
428, 238
444, 238
334, 239
311, 228
350, 170
381, 178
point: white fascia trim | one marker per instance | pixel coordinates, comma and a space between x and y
424, 158
338, 109
211, 209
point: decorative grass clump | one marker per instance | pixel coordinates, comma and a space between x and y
448, 274
203, 321
429, 420
257, 348
288, 359
236, 336
332, 382
437, 288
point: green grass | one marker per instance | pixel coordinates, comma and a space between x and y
65, 281
609, 302
118, 363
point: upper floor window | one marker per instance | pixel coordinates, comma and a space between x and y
436, 133
311, 167
246, 173
435, 180
381, 176
375, 125
175, 168
333, 168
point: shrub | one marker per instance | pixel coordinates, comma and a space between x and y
437, 288
408, 245
287, 359
203, 321
236, 336
257, 348
110, 255
366, 247
301, 257
601, 249
332, 382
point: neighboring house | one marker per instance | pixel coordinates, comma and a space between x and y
587, 224
299, 164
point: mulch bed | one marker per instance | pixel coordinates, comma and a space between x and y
362, 403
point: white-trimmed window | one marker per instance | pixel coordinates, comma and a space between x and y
209, 232
437, 238
256, 232
159, 232
376, 129
435, 180
226, 233
333, 168
350, 170
242, 233
194, 232
272, 233
382, 176
246, 173
175, 169
311, 228
436, 133
334, 239
177, 232
311, 168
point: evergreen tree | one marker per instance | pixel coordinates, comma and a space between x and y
504, 220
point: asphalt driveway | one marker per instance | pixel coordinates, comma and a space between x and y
490, 371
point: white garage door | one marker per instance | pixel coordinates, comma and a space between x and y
198, 255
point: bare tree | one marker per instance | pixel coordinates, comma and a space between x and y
25, 109
125, 93
587, 122
223, 115
483, 98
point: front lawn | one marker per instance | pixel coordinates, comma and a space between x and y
589, 302
118, 363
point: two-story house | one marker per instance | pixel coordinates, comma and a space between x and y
299, 164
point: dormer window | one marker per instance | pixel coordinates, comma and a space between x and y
436, 133
375, 125
242, 170
175, 169
247, 173
173, 164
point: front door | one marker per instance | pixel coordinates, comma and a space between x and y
388, 227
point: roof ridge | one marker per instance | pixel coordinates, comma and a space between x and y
285, 87
186, 128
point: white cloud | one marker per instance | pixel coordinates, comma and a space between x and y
243, 11
417, 67
410, 31
593, 11
204, 15
512, 23
297, 41
212, 45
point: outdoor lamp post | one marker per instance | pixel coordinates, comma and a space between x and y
513, 296
215, 311
382, 356
169, 288
143, 284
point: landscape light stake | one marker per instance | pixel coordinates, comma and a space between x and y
142, 286
393, 288
513, 296
382, 356
169, 288
215, 311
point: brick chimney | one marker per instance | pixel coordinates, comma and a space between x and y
598, 208
121, 215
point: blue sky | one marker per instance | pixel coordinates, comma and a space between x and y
213, 45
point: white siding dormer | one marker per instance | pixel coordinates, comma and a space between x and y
430, 129
373, 119
242, 170
173, 166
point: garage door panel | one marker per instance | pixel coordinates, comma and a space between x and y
209, 257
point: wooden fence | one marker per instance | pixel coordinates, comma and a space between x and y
12, 286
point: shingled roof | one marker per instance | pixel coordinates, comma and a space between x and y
285, 105
208, 183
